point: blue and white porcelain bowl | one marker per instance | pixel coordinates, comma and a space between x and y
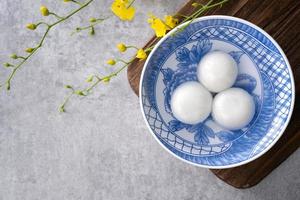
264, 72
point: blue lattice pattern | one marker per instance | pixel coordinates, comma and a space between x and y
276, 86
270, 63
157, 125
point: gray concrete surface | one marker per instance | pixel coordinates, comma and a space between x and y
101, 148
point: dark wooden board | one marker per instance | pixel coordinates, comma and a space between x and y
281, 19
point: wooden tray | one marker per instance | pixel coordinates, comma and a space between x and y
281, 19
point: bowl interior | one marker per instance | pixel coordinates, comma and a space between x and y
263, 71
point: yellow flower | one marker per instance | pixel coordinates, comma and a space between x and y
141, 54
161, 27
44, 11
122, 47
170, 21
120, 8
111, 62
158, 26
31, 26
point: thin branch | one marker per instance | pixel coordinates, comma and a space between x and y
87, 90
49, 27
91, 26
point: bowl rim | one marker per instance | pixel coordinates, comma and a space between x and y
274, 43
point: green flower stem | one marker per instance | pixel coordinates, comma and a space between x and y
131, 3
181, 15
149, 49
87, 90
218, 4
108, 76
73, 13
122, 61
21, 57
76, 2
62, 107
49, 27
8, 82
200, 11
94, 84
132, 47
55, 15
100, 20
42, 23
206, 7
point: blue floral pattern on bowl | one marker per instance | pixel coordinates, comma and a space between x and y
263, 71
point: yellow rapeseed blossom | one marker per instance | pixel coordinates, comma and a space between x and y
158, 26
31, 26
161, 27
141, 54
120, 8
170, 21
122, 47
44, 11
111, 62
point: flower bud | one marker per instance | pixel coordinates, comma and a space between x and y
90, 78
92, 31
31, 26
44, 11
29, 50
93, 19
14, 56
62, 109
106, 80
111, 62
7, 65
122, 47
79, 92
68, 86
195, 4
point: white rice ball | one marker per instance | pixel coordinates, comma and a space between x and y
191, 103
233, 108
217, 71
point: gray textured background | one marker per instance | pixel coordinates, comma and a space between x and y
101, 148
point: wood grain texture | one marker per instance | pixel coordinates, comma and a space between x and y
281, 19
